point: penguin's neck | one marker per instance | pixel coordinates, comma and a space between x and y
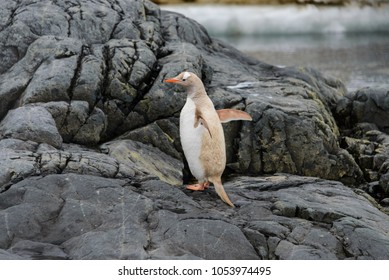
199, 97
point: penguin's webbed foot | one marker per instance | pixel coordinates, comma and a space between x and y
198, 187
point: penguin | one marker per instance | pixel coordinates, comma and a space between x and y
202, 135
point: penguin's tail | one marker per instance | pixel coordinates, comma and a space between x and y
221, 192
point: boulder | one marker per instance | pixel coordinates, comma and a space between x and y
33, 123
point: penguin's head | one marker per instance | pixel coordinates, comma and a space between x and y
186, 79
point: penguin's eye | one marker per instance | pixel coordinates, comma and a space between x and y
185, 76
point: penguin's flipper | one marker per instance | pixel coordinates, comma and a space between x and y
200, 120
227, 115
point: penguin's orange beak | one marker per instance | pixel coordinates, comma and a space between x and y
172, 80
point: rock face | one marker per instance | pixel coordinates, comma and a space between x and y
92, 166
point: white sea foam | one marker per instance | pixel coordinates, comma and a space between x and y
289, 19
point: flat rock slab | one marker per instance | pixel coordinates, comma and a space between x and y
70, 216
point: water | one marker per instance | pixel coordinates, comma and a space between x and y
350, 43
358, 59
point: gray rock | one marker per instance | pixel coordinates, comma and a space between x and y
92, 166
163, 134
37, 250
198, 238
366, 105
77, 123
385, 202
51, 81
116, 159
370, 147
41, 52
33, 123
348, 228
384, 181
145, 159
363, 115
114, 217
288, 250
115, 57
4, 255
16, 165
71, 216
16, 144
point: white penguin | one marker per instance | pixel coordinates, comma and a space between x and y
202, 136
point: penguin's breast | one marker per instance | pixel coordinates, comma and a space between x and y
191, 139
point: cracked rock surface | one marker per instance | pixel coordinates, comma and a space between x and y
278, 217
91, 162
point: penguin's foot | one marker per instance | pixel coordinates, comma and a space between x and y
198, 187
